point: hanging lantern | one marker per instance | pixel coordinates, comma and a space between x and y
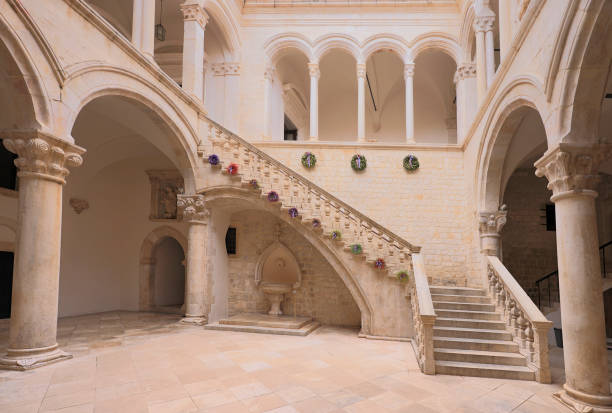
160, 30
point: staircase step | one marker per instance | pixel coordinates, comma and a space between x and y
443, 305
476, 344
477, 356
473, 315
452, 298
457, 290
457, 368
470, 323
477, 333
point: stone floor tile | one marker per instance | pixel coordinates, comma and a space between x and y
342, 397
234, 407
84, 408
366, 406
315, 404
128, 404
203, 387
214, 399
295, 394
255, 366
284, 409
263, 403
67, 400
246, 391
530, 407
415, 408
184, 405
20, 408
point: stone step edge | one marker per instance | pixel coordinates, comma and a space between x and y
450, 302
475, 340
468, 311
467, 329
479, 353
304, 331
483, 366
461, 296
472, 320
450, 287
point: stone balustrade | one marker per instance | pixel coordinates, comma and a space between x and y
424, 317
529, 327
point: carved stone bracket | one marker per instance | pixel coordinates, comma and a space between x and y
464, 71
79, 205
193, 208
573, 169
490, 225
42, 155
313, 70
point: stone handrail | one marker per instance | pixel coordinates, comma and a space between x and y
424, 317
528, 326
294, 188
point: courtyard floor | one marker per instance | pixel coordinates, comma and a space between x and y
143, 362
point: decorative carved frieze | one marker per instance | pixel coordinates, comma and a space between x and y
232, 69
408, 70
464, 71
218, 69
572, 168
165, 186
313, 70
42, 155
194, 12
193, 208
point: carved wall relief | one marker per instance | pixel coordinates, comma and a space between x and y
166, 184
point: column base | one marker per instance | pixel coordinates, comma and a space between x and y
581, 402
193, 321
32, 358
313, 139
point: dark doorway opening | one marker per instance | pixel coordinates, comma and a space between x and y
6, 283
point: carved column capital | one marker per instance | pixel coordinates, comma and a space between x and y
408, 70
313, 69
361, 70
572, 169
218, 69
484, 23
42, 155
490, 225
464, 71
193, 11
269, 73
192, 208
232, 68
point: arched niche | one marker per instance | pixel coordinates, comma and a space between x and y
267, 263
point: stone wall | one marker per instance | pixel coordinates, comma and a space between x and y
426, 207
322, 294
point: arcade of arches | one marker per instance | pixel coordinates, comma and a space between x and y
158, 182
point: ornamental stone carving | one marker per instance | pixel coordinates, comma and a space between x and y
408, 70
361, 70
313, 69
490, 225
193, 208
232, 69
484, 23
166, 184
79, 205
43, 156
572, 168
218, 69
464, 71
269, 73
194, 12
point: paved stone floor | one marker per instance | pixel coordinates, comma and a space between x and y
142, 362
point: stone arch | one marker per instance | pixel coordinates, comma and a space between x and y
586, 59
97, 81
500, 127
276, 45
30, 107
466, 36
264, 257
436, 40
224, 193
146, 272
326, 43
385, 42
223, 17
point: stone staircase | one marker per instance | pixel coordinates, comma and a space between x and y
470, 337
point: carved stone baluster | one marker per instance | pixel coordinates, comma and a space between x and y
521, 324
492, 279
510, 304
296, 192
529, 341
316, 213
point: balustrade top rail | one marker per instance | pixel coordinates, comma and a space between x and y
531, 310
350, 3
392, 237
422, 287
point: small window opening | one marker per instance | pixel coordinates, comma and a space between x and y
551, 223
8, 170
230, 241
290, 130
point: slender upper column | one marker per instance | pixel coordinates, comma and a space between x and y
137, 7
315, 74
143, 26
193, 210
505, 27
361, 126
465, 85
195, 19
572, 173
490, 226
43, 166
269, 83
408, 81
485, 63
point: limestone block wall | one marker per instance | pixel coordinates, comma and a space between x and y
322, 294
426, 207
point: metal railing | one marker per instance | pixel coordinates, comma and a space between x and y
548, 285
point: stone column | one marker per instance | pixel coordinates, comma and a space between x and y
408, 81
572, 173
465, 84
361, 124
484, 24
147, 36
195, 19
232, 95
505, 28
194, 211
490, 226
315, 73
268, 91
43, 166
137, 7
